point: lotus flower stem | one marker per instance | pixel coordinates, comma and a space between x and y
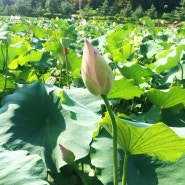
6, 69
67, 71
182, 74
114, 135
125, 165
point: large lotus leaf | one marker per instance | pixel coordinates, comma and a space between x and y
171, 173
33, 56
80, 123
149, 49
19, 48
4, 31
62, 24
102, 158
136, 72
172, 75
38, 31
20, 168
157, 140
125, 89
44, 62
120, 49
19, 27
55, 49
166, 98
83, 96
33, 119
75, 63
122, 31
170, 60
152, 116
173, 119
142, 169
167, 116
28, 76
127, 48
147, 21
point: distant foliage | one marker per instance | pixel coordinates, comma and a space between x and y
129, 9
138, 13
179, 12
151, 12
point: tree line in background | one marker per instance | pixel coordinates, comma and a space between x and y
65, 8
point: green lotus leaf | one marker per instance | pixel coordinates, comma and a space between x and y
147, 21
19, 48
157, 140
20, 168
38, 31
149, 49
136, 72
32, 119
166, 98
35, 119
170, 60
102, 157
142, 169
19, 27
151, 171
125, 89
4, 31
83, 96
33, 56
80, 121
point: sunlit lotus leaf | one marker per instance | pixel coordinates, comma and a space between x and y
170, 60
156, 140
20, 168
34, 119
166, 98
125, 89
142, 169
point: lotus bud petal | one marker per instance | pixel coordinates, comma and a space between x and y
67, 155
96, 73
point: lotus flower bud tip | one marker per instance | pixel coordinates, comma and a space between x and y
96, 73
67, 155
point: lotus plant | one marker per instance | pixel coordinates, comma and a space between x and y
98, 78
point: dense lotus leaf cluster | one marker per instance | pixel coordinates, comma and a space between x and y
147, 97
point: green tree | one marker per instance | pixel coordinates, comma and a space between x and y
23, 8
8, 10
127, 11
7, 2
67, 8
86, 11
55, 6
104, 9
138, 13
179, 12
151, 12
96, 3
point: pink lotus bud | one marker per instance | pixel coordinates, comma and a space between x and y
67, 155
96, 73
